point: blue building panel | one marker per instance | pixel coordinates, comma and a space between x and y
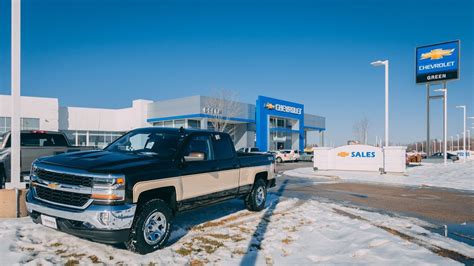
267, 107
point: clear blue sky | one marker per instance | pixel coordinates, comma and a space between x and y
107, 53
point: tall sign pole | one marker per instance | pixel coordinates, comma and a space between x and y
15, 83
445, 122
428, 146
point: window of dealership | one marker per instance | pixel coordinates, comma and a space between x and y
26, 124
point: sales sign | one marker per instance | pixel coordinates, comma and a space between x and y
437, 62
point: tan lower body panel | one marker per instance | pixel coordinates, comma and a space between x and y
195, 185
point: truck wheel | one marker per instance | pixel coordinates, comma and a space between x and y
151, 227
255, 201
279, 160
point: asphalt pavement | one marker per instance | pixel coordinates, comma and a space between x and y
432, 204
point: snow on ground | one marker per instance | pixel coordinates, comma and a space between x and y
289, 231
458, 175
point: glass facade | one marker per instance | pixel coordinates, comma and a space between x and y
26, 124
98, 139
192, 123
282, 131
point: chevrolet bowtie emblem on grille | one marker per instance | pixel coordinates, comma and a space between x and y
437, 54
53, 185
343, 154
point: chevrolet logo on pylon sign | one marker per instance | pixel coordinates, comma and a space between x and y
437, 62
437, 54
343, 154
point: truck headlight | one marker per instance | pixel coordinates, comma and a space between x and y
33, 176
108, 189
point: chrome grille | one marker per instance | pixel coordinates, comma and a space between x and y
63, 178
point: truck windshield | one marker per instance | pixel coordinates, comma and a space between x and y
160, 144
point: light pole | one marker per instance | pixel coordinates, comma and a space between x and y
464, 131
384, 63
452, 140
468, 140
469, 135
445, 121
457, 147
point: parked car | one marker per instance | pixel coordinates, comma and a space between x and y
34, 144
306, 156
285, 156
440, 155
249, 150
130, 191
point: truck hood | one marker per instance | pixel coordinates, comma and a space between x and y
99, 161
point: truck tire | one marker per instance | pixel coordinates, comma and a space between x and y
256, 199
151, 227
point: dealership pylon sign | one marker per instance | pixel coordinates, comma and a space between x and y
437, 62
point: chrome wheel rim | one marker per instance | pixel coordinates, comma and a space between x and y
154, 228
260, 196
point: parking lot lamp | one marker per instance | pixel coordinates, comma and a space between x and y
452, 143
384, 63
464, 131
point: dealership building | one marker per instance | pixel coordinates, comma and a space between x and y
269, 124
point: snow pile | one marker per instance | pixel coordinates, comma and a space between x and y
458, 175
290, 232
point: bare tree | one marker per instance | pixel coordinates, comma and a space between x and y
221, 106
361, 130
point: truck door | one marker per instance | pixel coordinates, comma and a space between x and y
200, 177
228, 164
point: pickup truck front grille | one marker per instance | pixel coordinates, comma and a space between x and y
62, 197
63, 178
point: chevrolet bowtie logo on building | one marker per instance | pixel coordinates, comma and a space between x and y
343, 154
284, 108
269, 106
436, 54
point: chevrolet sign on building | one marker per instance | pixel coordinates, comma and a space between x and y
437, 62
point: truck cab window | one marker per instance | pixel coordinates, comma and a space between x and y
199, 145
223, 147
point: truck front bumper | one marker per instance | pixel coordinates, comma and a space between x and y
101, 223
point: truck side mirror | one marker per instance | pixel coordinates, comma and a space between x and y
194, 156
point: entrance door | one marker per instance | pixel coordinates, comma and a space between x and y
280, 145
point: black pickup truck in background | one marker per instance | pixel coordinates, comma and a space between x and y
130, 191
34, 144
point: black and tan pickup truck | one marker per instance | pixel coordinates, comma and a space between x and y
130, 191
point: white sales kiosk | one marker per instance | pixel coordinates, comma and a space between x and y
361, 158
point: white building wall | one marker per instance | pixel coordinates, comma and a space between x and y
45, 109
99, 119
